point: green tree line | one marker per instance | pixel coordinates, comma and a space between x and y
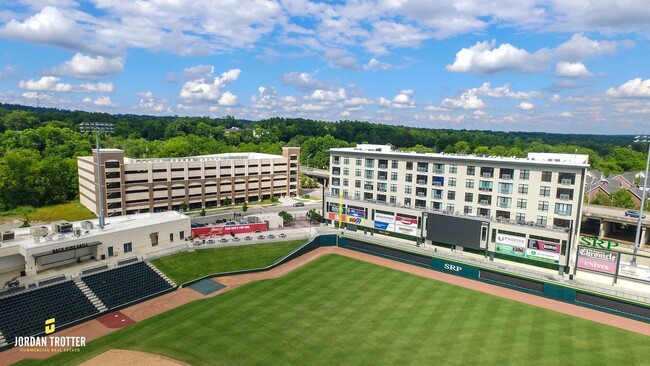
39, 146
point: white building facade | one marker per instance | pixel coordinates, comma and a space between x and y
518, 200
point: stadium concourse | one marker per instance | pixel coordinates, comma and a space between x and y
96, 328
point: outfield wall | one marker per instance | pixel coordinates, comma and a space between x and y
556, 291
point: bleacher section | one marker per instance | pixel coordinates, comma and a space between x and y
24, 314
126, 284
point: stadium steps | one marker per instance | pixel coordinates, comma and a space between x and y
170, 282
3, 341
90, 295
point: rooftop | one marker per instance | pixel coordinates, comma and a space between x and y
24, 238
576, 160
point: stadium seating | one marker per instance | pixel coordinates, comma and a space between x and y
24, 314
126, 284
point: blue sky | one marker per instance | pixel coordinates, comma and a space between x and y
576, 66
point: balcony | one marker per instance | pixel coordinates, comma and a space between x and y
487, 175
423, 170
383, 166
422, 182
485, 189
439, 171
421, 194
437, 196
484, 202
506, 177
566, 182
564, 197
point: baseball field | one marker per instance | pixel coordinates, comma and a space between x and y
338, 310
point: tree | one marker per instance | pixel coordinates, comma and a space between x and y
623, 198
184, 206
601, 199
314, 215
287, 217
244, 207
202, 213
227, 201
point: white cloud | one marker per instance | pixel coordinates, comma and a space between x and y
228, 99
6, 72
485, 58
376, 65
198, 71
104, 101
208, 88
566, 114
580, 47
45, 83
328, 95
340, 59
401, 100
503, 92
149, 103
467, 100
526, 106
301, 80
90, 67
635, 88
571, 70
392, 34
98, 87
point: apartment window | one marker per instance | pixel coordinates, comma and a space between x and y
345, 193
381, 187
485, 186
452, 182
541, 220
358, 162
423, 167
469, 183
523, 189
393, 176
547, 176
451, 207
545, 191
368, 196
336, 170
563, 209
336, 160
521, 203
505, 188
370, 174
171, 237
346, 182
357, 172
335, 191
408, 189
336, 181
112, 164
154, 239
357, 184
439, 168
467, 210
520, 217
394, 164
370, 163
181, 235
383, 164
451, 195
504, 202
487, 172
346, 171
436, 194
471, 170
367, 185
357, 195
422, 179
346, 161
393, 187
561, 222
409, 165
407, 201
453, 168
524, 174
409, 177
566, 178
128, 247
393, 200
469, 197
542, 206
438, 181
506, 173
564, 194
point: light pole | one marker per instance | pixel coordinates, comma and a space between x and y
591, 183
637, 239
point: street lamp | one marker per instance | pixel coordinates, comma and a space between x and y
637, 239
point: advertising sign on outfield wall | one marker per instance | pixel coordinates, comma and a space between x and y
406, 225
544, 251
347, 219
598, 260
356, 212
510, 245
384, 222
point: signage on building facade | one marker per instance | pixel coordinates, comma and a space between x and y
598, 243
544, 251
70, 247
598, 260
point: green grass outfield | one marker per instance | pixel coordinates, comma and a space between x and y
340, 311
184, 267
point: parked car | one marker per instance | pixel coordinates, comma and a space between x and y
236, 239
248, 237
634, 214
283, 235
271, 236
299, 204
223, 240
260, 236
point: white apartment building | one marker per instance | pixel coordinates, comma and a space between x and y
517, 199
152, 185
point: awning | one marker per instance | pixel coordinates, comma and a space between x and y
67, 248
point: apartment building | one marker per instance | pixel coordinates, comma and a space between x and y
152, 185
515, 199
